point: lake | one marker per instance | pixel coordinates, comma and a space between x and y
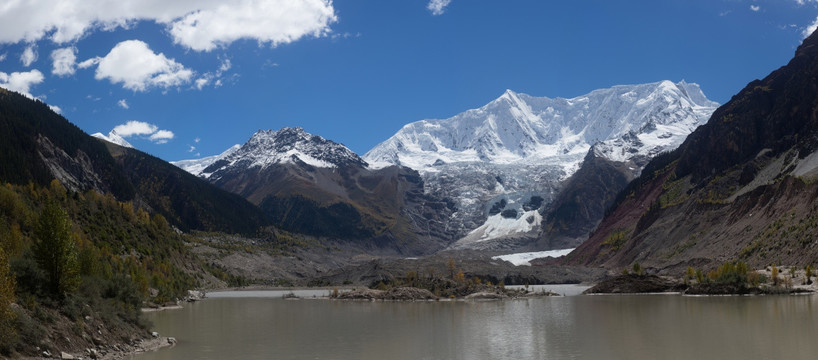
262, 325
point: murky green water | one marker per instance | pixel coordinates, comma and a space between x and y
572, 327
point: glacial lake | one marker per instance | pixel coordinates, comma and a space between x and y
262, 325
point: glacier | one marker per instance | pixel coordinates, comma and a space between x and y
521, 147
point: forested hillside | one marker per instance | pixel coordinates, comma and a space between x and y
67, 257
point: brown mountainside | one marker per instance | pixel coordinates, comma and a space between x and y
741, 187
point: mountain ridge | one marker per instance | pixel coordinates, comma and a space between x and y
741, 187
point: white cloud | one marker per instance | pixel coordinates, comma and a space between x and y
3, 57
438, 7
202, 82
209, 77
272, 21
88, 63
196, 140
123, 104
226, 65
64, 61
195, 24
21, 81
143, 129
191, 148
138, 68
755, 7
810, 28
29, 55
55, 109
134, 127
161, 136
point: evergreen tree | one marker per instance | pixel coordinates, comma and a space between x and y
55, 251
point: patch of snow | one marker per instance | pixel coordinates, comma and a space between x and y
519, 259
113, 137
197, 166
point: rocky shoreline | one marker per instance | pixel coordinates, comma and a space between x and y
417, 294
654, 284
112, 352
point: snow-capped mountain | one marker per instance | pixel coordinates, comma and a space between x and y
519, 148
288, 145
519, 128
113, 137
311, 185
196, 166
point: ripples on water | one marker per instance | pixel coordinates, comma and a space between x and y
264, 326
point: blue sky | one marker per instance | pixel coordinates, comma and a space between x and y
189, 78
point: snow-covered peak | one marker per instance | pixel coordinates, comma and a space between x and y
517, 128
196, 166
290, 145
113, 137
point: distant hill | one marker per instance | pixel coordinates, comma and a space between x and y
39, 145
741, 187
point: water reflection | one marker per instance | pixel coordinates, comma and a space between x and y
577, 327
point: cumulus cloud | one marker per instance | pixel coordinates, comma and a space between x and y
123, 104
133, 64
142, 129
191, 148
810, 28
161, 136
29, 55
3, 56
196, 140
755, 7
200, 25
64, 61
438, 7
274, 22
134, 127
21, 82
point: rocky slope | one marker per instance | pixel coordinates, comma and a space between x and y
504, 163
741, 187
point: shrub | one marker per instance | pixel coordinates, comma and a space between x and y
637, 269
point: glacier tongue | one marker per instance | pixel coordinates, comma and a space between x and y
519, 146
